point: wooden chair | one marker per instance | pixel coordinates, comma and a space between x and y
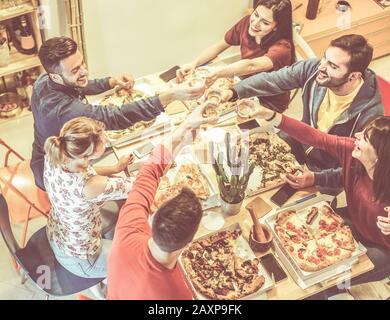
25, 200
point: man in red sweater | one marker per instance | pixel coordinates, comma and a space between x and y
143, 259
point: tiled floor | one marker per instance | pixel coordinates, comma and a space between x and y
19, 134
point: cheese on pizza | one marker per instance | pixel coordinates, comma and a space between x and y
189, 176
216, 272
274, 156
315, 249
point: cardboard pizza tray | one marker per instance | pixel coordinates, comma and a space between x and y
305, 278
244, 251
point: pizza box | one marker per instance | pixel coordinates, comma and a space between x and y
244, 251
305, 278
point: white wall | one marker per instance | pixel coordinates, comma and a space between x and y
146, 36
55, 18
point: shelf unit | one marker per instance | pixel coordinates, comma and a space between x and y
19, 61
367, 19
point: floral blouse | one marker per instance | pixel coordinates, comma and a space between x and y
75, 223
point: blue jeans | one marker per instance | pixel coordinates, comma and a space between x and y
93, 267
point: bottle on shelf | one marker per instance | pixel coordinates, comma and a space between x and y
4, 47
27, 42
312, 9
19, 84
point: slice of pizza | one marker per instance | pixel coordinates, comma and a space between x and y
189, 175
329, 221
292, 227
311, 256
248, 279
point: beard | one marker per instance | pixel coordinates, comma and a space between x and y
76, 83
331, 82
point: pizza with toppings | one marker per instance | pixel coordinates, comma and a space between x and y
273, 156
135, 129
188, 175
217, 272
312, 248
121, 97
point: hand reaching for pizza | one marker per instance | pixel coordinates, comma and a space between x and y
123, 81
383, 223
305, 180
124, 162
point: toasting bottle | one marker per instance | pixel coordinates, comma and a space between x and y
27, 42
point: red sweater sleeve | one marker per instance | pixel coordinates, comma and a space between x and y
134, 213
339, 147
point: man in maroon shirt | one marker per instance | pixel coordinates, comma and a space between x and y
143, 259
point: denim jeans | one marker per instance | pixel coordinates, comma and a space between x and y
93, 267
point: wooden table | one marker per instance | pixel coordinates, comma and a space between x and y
287, 289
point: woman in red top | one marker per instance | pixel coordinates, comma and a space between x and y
366, 174
265, 40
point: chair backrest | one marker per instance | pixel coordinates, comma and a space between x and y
5, 227
302, 44
384, 89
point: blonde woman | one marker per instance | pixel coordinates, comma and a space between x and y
77, 192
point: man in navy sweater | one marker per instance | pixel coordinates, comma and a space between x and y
59, 95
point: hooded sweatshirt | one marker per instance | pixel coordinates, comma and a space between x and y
366, 106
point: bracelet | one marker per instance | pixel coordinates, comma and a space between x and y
234, 96
272, 118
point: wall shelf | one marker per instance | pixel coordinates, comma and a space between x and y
20, 10
19, 62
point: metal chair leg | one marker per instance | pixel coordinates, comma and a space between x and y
24, 276
24, 233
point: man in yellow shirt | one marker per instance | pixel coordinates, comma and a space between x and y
340, 95
333, 106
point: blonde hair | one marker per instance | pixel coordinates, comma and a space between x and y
78, 138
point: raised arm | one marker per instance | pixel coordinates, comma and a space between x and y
149, 176
277, 82
98, 86
241, 68
334, 145
207, 55
128, 114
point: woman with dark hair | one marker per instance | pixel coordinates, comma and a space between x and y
366, 178
266, 44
